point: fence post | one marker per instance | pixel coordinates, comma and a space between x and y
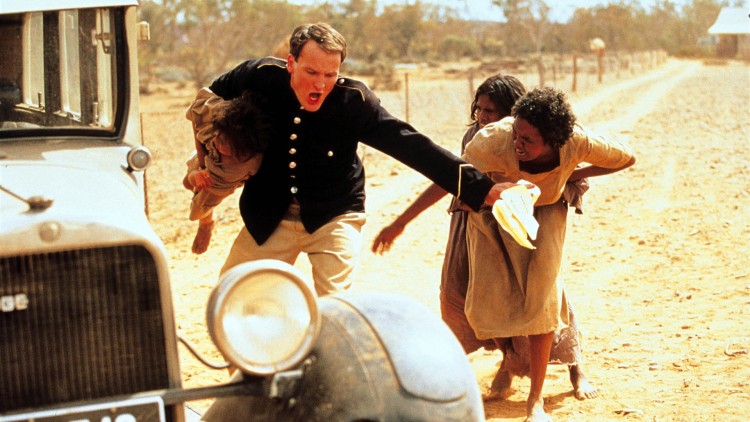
540, 69
575, 72
554, 71
597, 46
406, 95
471, 83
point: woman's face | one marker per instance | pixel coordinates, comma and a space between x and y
486, 111
528, 143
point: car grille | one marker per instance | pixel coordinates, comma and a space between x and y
93, 327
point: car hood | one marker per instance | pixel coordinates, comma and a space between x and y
95, 199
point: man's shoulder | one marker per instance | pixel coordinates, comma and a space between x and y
251, 74
268, 63
354, 87
261, 65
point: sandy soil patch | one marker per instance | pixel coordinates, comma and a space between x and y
657, 266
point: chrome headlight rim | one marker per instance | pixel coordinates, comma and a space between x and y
139, 158
228, 285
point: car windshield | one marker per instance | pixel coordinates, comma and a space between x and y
60, 72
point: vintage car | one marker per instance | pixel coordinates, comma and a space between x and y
87, 328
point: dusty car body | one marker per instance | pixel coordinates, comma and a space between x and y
87, 329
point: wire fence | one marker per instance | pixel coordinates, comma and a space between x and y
572, 73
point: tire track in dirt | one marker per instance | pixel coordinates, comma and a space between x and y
636, 100
661, 284
665, 77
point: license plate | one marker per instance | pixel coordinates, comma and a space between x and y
144, 409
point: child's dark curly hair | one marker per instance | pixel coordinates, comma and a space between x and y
244, 124
547, 109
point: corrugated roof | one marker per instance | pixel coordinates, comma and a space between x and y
731, 20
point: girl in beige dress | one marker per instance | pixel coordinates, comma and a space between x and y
230, 137
515, 291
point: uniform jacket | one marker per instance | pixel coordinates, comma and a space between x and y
313, 155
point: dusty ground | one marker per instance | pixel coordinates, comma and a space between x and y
657, 267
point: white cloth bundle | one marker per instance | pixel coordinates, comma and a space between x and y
514, 212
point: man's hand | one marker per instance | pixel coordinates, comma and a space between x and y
494, 194
385, 238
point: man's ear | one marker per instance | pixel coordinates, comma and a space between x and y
290, 62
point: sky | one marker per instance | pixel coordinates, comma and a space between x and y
561, 10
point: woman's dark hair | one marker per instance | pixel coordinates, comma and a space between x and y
329, 39
502, 90
244, 124
547, 109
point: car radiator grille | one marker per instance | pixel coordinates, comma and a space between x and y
93, 327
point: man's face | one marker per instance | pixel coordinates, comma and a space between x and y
313, 75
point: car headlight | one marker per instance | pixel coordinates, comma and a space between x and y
138, 158
263, 316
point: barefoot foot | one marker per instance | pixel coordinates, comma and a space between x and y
203, 238
582, 388
535, 410
501, 387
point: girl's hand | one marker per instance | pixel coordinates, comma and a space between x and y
385, 238
200, 179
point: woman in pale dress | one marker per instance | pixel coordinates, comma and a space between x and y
515, 291
493, 100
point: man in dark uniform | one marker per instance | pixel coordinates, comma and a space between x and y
309, 193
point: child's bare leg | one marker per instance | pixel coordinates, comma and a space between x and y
540, 346
511, 367
582, 388
186, 183
203, 236
502, 385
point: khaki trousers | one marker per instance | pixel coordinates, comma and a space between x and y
333, 250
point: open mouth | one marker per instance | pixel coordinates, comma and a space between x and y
315, 97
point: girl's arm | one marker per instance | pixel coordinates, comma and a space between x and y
426, 199
200, 153
593, 171
605, 155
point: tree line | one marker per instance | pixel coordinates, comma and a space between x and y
196, 40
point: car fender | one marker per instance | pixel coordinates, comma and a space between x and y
379, 357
